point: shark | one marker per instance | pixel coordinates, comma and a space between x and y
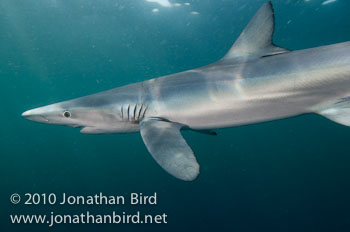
256, 81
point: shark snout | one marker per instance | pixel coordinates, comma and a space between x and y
35, 115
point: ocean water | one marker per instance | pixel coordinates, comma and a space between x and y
285, 175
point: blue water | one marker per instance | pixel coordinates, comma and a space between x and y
286, 175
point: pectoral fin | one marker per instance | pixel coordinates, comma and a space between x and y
167, 146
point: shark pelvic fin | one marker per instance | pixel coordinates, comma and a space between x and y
167, 146
256, 39
339, 112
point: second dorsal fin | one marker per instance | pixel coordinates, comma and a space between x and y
256, 39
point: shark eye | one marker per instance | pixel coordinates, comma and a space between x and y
66, 114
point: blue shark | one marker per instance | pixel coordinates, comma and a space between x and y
256, 81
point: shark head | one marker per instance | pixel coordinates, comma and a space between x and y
69, 114
54, 114
95, 114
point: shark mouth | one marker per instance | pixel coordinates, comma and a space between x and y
75, 125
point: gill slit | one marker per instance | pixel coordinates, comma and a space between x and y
144, 112
135, 112
139, 114
129, 112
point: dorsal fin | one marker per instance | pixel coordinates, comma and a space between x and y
256, 39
